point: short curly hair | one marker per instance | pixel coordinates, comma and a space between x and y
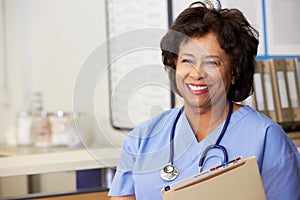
234, 33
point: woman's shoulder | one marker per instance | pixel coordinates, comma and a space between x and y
250, 115
261, 132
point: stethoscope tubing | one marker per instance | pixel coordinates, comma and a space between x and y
171, 155
217, 144
173, 171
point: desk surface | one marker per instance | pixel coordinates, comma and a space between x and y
55, 160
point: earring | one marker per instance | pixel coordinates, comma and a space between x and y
233, 81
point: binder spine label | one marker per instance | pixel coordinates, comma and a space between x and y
269, 92
292, 89
259, 92
284, 102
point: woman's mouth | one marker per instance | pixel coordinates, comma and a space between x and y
198, 89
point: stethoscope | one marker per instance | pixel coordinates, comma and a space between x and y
169, 172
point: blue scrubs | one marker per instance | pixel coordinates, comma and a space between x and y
146, 151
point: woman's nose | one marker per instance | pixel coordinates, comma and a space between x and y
198, 72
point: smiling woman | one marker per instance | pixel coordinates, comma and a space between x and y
203, 78
209, 54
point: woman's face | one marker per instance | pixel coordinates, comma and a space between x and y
203, 72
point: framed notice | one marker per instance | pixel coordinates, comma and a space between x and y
253, 11
283, 27
139, 85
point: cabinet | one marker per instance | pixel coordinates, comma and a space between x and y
85, 196
54, 173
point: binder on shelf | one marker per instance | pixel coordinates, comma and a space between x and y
280, 92
293, 89
239, 180
259, 95
297, 65
269, 90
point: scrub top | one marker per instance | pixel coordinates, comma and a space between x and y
145, 151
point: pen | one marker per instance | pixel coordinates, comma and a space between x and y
226, 164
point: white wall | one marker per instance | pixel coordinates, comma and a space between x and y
43, 44
2, 71
46, 43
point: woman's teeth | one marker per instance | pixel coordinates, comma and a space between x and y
194, 88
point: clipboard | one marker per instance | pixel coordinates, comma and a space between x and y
236, 180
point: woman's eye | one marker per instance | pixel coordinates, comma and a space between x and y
211, 63
187, 61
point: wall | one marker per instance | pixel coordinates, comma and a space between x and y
46, 43
270, 18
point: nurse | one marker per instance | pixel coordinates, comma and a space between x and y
209, 54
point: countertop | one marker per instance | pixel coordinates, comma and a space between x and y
31, 160
28, 160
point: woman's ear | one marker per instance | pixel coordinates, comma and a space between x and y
175, 62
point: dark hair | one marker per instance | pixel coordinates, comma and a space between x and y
235, 36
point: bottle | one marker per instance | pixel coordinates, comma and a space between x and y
24, 125
42, 130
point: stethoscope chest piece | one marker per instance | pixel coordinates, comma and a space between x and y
169, 173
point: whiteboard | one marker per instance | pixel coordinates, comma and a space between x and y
139, 86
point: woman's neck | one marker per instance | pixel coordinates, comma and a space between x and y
204, 120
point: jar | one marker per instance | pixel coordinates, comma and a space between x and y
59, 129
24, 125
